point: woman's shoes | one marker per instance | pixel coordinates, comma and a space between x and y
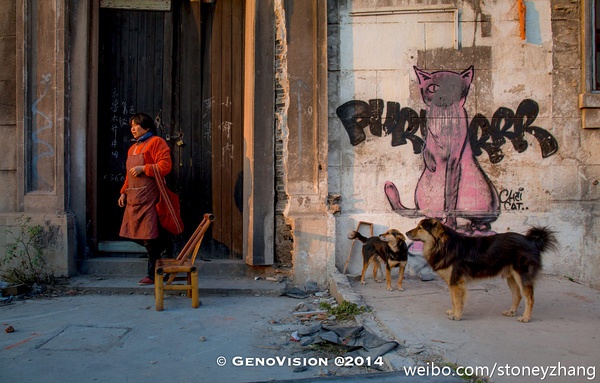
146, 281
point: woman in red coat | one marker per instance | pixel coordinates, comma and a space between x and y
140, 193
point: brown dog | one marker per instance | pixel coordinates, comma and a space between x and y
390, 247
458, 258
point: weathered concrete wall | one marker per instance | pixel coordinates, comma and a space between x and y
509, 117
8, 99
56, 243
533, 163
8, 122
303, 177
577, 168
284, 240
34, 125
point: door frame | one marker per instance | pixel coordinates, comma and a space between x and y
259, 136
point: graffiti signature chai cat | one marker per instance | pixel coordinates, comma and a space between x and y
452, 184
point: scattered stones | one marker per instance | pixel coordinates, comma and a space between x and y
294, 292
415, 349
311, 287
15, 290
324, 372
38, 289
9, 329
426, 277
278, 278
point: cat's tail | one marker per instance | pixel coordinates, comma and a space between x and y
393, 196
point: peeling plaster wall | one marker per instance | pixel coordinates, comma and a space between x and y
34, 124
302, 186
8, 122
373, 49
283, 235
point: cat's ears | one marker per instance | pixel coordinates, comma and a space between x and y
422, 75
466, 75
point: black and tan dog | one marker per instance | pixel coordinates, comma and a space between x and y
390, 247
458, 258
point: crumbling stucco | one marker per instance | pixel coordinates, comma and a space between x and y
283, 236
537, 181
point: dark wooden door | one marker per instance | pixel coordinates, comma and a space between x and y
207, 110
227, 91
184, 67
133, 74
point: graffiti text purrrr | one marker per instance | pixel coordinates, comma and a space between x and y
403, 124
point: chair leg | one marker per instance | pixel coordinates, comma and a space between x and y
194, 284
188, 293
159, 291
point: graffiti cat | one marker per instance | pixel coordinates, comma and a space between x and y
452, 184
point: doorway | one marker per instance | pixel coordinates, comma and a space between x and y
183, 66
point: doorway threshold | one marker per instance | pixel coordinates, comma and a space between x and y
121, 249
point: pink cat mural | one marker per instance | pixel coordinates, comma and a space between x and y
452, 184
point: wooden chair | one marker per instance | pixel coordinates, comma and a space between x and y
167, 270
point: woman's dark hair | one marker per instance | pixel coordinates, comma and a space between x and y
143, 120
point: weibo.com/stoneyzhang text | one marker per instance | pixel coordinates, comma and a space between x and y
499, 370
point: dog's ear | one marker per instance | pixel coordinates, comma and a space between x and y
427, 224
437, 229
397, 235
432, 226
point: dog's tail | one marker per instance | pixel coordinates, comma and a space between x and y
357, 235
543, 238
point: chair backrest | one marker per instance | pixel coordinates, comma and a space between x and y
190, 250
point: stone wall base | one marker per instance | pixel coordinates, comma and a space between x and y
58, 240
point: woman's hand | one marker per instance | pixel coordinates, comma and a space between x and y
136, 170
123, 200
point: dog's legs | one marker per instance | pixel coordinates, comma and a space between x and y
364, 270
401, 275
527, 290
459, 294
388, 278
375, 263
516, 296
450, 312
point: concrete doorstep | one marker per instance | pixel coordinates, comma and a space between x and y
206, 286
